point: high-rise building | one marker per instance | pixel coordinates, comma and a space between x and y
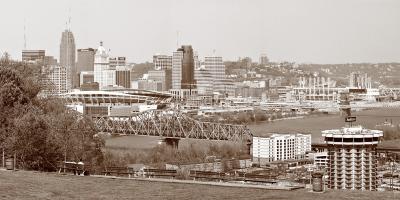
123, 77
216, 67
204, 81
55, 79
33, 56
67, 53
163, 76
183, 65
280, 147
85, 62
263, 59
117, 61
352, 158
162, 62
102, 72
86, 77
49, 60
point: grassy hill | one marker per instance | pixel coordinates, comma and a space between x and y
36, 185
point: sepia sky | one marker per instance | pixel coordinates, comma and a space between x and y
317, 31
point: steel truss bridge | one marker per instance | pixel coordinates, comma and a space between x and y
172, 124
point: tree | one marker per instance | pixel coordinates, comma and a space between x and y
41, 130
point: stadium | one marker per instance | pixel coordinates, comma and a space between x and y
116, 102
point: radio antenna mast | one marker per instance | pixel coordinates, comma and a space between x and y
24, 34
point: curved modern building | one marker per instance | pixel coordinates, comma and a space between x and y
352, 157
117, 102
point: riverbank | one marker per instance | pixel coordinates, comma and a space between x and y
314, 124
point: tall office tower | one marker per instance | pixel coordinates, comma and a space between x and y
55, 79
85, 62
263, 59
246, 61
216, 67
162, 62
280, 147
103, 75
197, 63
163, 76
117, 61
123, 76
67, 52
49, 60
204, 81
183, 68
352, 158
33, 56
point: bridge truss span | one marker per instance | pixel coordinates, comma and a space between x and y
172, 124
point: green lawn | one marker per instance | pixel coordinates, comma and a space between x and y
35, 185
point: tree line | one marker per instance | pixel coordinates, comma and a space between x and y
40, 132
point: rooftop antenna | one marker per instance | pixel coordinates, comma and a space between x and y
24, 34
177, 39
69, 18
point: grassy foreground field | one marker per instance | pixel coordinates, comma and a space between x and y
36, 185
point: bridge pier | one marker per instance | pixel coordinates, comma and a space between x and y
249, 144
171, 142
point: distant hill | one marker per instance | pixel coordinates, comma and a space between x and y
141, 68
387, 74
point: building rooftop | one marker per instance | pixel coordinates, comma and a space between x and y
356, 130
352, 136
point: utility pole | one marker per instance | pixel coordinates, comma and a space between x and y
3, 159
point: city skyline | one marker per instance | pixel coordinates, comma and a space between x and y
306, 31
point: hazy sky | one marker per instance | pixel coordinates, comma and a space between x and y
318, 31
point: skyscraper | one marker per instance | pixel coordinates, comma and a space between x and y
85, 63
117, 61
183, 65
102, 72
55, 80
263, 59
123, 76
216, 67
204, 81
50, 60
67, 52
163, 76
33, 56
162, 62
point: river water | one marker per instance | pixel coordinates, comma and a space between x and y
316, 123
312, 125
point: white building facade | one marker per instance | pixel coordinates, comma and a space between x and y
216, 67
56, 79
280, 147
102, 72
177, 69
162, 62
